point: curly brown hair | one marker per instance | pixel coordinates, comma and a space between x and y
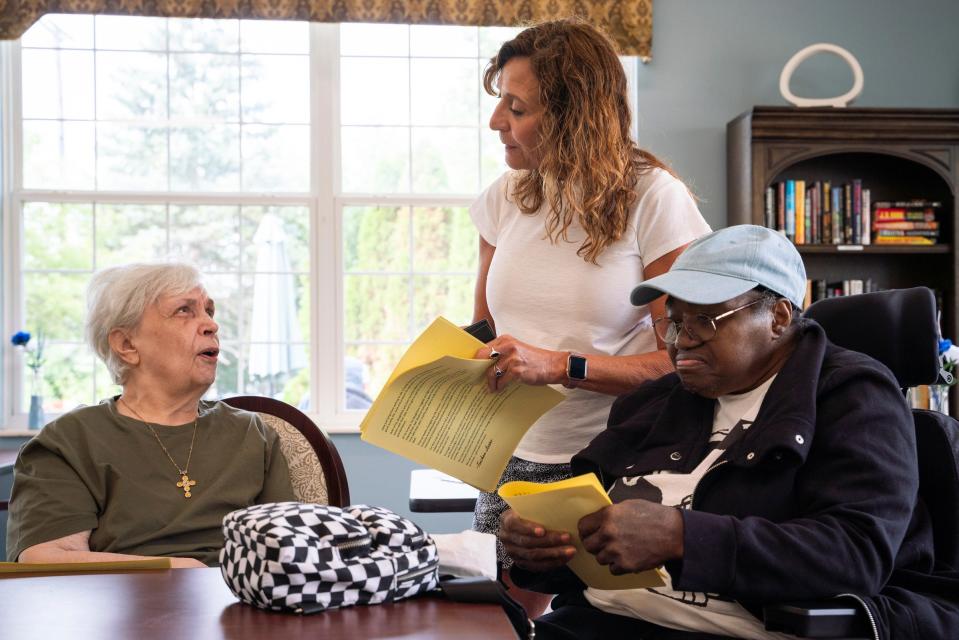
589, 162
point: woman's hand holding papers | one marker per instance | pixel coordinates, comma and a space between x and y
633, 535
531, 546
521, 362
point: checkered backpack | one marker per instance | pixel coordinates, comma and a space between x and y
292, 556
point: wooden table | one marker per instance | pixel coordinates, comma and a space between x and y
432, 491
196, 604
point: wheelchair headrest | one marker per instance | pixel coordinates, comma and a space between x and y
899, 328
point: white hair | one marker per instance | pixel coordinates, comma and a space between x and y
117, 298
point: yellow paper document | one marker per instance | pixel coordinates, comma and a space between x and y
559, 506
97, 567
436, 410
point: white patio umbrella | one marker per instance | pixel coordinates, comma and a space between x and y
274, 307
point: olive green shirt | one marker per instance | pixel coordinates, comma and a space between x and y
96, 470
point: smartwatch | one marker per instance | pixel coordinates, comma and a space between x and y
576, 367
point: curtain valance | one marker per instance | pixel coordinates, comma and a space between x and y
629, 22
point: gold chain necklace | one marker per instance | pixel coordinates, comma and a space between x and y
185, 483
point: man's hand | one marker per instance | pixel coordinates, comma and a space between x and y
633, 535
531, 546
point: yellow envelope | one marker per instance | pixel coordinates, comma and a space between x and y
559, 506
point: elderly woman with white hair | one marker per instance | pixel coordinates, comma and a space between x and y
150, 472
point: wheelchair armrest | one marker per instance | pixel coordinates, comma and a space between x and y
820, 619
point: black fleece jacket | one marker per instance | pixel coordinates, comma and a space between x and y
814, 501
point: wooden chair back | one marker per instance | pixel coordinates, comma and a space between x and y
316, 469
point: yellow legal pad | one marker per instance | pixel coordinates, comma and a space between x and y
436, 409
99, 567
559, 506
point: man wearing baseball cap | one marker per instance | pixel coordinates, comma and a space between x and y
771, 466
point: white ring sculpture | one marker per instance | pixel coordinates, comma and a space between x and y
804, 54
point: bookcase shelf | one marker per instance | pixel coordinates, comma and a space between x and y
846, 249
899, 154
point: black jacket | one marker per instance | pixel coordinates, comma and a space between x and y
818, 498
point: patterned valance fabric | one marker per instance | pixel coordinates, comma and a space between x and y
629, 22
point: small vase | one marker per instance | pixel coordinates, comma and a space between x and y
36, 412
939, 398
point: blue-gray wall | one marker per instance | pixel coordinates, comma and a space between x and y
712, 60
382, 478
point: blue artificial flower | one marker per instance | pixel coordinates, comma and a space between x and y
20, 338
944, 345
33, 354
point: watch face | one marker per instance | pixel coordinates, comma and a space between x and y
576, 368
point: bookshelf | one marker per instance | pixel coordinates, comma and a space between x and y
899, 154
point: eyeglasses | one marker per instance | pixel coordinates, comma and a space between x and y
700, 327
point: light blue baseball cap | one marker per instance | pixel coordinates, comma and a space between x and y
727, 263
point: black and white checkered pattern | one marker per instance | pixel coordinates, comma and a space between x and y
291, 556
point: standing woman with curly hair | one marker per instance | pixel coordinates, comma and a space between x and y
583, 215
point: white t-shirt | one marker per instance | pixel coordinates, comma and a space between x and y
686, 610
546, 295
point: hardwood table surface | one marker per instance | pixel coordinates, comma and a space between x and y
195, 604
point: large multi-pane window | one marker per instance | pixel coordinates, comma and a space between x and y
413, 120
318, 175
152, 139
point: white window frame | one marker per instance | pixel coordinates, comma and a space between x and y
325, 202
10, 380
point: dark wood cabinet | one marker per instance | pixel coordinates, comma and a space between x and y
899, 154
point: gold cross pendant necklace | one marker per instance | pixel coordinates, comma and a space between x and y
185, 483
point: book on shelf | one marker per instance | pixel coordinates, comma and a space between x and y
904, 225
906, 240
823, 212
866, 223
825, 199
800, 212
898, 233
780, 206
789, 226
816, 217
847, 216
435, 409
821, 289
903, 215
856, 203
836, 219
917, 203
909, 222
769, 219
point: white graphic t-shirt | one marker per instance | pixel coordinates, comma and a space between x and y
685, 610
